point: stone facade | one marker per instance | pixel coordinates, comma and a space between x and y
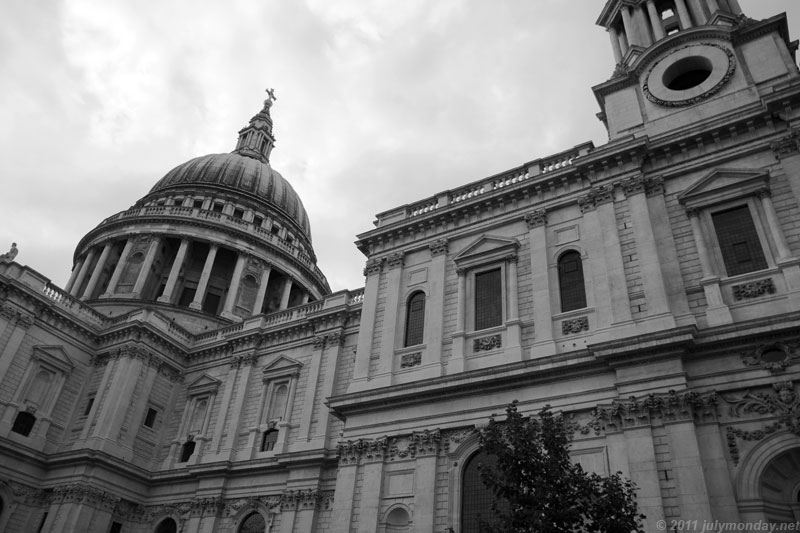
197, 373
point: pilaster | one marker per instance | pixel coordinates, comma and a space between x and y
434, 306
365, 332
394, 277
541, 281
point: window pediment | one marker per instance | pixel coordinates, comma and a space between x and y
203, 384
55, 357
280, 367
722, 185
487, 249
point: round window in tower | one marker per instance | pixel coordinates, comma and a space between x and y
689, 74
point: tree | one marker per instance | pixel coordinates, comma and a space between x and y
539, 489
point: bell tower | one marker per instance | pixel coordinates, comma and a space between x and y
681, 62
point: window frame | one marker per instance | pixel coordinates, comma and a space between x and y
407, 325
764, 242
471, 307
581, 258
281, 371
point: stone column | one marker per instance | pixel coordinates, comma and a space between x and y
262, 289
202, 285
174, 272
715, 467
457, 359
305, 298
717, 313
425, 483
82, 274
233, 287
98, 271
641, 457
513, 348
543, 343
368, 308
655, 291
304, 432
735, 7
642, 26
287, 290
615, 47
112, 283
434, 306
371, 491
144, 273
688, 468
630, 27
683, 14
713, 6
697, 12
73, 276
342, 513
394, 278
655, 20
787, 151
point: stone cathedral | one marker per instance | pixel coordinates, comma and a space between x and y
197, 373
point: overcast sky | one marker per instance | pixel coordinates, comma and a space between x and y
380, 103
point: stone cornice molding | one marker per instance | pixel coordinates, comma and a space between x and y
83, 493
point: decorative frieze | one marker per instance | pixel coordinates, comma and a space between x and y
212, 506
786, 145
651, 186
491, 342
438, 247
410, 359
536, 218
238, 360
23, 319
783, 403
306, 499
30, 495
773, 357
635, 412
84, 494
596, 196
575, 325
754, 289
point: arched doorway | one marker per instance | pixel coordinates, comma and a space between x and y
167, 525
779, 487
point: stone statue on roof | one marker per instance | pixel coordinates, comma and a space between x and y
10, 255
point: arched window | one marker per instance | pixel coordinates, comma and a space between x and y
23, 424
167, 525
476, 498
415, 319
277, 404
254, 523
570, 281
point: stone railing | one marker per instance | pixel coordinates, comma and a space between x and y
226, 220
63, 300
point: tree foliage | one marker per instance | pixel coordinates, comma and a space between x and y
539, 489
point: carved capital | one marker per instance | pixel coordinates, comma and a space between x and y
787, 145
537, 218
634, 185
374, 266
395, 260
438, 247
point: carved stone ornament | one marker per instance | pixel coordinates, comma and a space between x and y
395, 260
773, 357
786, 145
596, 196
410, 359
783, 404
487, 343
438, 247
730, 69
642, 411
84, 494
374, 266
754, 289
575, 325
537, 218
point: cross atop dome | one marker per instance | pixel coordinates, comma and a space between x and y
256, 139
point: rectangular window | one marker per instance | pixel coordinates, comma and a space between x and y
488, 299
150, 419
89, 405
258, 221
738, 241
217, 207
197, 204
238, 213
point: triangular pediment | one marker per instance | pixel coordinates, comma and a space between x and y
487, 248
204, 383
54, 356
281, 366
724, 184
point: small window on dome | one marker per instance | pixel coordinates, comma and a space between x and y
197, 204
258, 221
238, 213
217, 207
276, 229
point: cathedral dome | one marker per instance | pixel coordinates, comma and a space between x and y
242, 174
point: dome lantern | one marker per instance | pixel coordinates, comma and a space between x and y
256, 139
